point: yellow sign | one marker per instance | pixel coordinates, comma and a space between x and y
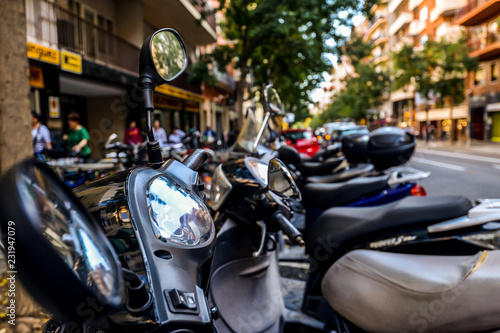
43, 53
36, 77
71, 62
54, 110
176, 92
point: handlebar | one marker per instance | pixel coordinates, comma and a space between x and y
288, 228
196, 159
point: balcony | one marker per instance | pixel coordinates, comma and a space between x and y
377, 21
58, 27
477, 12
379, 39
485, 48
446, 8
182, 16
393, 5
225, 80
451, 34
414, 4
403, 20
416, 27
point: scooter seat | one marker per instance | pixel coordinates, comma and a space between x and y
393, 292
342, 176
324, 196
319, 168
345, 225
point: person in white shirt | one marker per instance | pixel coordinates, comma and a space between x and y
176, 136
40, 134
160, 134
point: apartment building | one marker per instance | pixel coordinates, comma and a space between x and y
482, 18
84, 56
377, 34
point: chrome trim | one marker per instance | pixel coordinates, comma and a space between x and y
263, 227
463, 222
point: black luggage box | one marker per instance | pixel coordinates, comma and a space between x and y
355, 147
389, 147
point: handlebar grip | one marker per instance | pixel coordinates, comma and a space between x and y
288, 228
196, 159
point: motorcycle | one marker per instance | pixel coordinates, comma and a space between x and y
128, 252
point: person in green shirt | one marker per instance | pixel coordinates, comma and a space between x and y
78, 137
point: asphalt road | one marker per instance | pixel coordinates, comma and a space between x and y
469, 174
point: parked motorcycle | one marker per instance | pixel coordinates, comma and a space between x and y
133, 252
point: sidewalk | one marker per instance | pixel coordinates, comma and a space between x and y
476, 147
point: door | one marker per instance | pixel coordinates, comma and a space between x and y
477, 119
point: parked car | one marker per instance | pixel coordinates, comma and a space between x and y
303, 140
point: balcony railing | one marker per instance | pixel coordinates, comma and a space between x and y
414, 4
60, 27
471, 5
204, 7
403, 19
491, 38
416, 27
446, 7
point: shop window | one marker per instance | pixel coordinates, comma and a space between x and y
479, 76
494, 72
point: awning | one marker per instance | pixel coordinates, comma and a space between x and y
493, 107
80, 86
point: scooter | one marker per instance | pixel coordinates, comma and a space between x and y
421, 264
130, 252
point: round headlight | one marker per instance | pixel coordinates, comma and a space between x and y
177, 215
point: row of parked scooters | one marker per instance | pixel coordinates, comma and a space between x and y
140, 251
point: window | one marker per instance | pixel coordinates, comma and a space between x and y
479, 76
494, 71
424, 13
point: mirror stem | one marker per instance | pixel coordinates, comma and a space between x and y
154, 152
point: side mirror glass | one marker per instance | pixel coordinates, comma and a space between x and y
63, 257
168, 53
280, 180
273, 101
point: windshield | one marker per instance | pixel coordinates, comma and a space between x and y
297, 135
250, 130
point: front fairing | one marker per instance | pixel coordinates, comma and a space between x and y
121, 205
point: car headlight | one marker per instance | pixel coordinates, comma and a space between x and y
177, 215
220, 188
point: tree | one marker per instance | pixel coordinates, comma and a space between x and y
15, 118
284, 42
364, 89
439, 68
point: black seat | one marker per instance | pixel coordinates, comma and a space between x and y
343, 225
324, 196
319, 168
344, 175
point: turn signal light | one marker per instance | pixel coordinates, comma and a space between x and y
318, 137
418, 191
328, 137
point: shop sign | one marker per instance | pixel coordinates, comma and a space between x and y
163, 102
192, 107
179, 93
43, 53
54, 109
71, 62
36, 77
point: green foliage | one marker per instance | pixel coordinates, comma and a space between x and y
439, 68
284, 42
363, 90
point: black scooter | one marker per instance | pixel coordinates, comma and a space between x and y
130, 252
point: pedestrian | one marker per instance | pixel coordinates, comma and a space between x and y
132, 134
176, 136
40, 135
432, 132
77, 137
159, 133
209, 135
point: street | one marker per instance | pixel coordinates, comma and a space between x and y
474, 173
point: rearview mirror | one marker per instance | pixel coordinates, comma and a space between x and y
280, 180
273, 101
62, 256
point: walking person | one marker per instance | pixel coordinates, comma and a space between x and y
209, 135
159, 133
78, 137
40, 135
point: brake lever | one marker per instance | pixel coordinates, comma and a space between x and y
263, 228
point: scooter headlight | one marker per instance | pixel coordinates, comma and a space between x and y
177, 215
220, 188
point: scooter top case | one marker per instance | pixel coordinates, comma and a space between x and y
395, 292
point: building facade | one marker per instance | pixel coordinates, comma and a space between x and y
482, 18
84, 57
